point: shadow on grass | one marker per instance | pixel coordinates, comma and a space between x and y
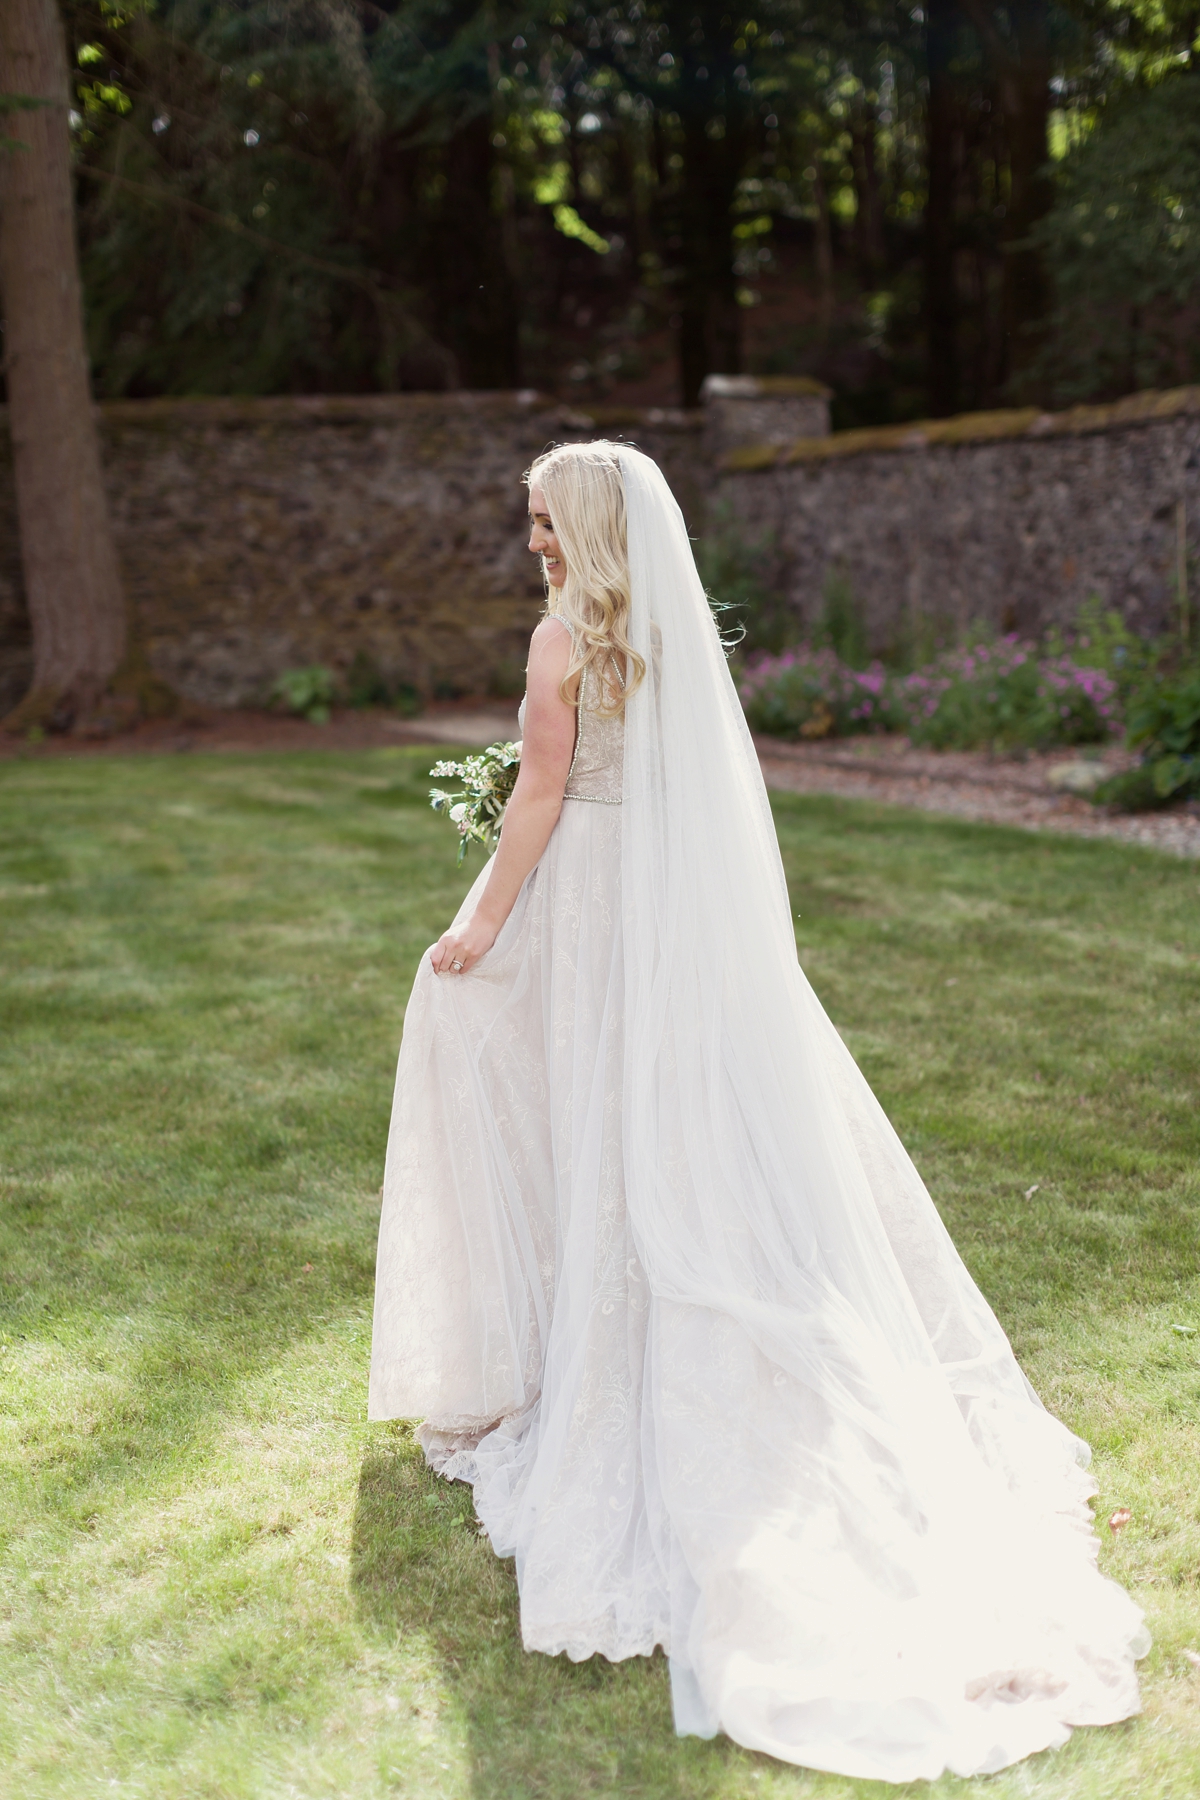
538, 1727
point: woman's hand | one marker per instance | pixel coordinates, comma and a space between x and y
459, 949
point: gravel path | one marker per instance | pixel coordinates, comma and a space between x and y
971, 785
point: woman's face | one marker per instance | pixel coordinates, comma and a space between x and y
542, 540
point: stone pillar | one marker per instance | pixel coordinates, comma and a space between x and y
761, 409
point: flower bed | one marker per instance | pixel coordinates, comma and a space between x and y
812, 693
1003, 694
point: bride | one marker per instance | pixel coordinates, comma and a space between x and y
659, 1275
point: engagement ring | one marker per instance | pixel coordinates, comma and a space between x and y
456, 965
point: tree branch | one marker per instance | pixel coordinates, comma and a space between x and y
371, 279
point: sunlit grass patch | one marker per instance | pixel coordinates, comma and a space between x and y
216, 1579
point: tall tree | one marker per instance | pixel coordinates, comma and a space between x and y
72, 580
941, 287
1016, 39
711, 97
348, 195
1124, 250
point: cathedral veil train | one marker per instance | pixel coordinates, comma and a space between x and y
659, 1276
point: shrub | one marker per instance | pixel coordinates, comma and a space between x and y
1132, 790
1003, 694
1123, 248
841, 627
406, 700
812, 693
1006, 694
368, 685
738, 577
1100, 639
1164, 721
305, 692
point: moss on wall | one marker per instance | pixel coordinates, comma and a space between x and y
968, 428
1012, 518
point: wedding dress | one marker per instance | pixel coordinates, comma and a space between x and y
667, 1290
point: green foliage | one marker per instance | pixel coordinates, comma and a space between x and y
476, 810
1100, 639
277, 196
808, 692
305, 199
1123, 247
1009, 694
841, 626
368, 684
1164, 723
308, 693
1001, 694
219, 1579
739, 576
341, 199
1132, 790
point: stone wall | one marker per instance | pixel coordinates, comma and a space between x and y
761, 410
259, 535
1015, 518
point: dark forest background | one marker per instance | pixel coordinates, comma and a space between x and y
934, 207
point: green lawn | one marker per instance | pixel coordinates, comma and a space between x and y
218, 1581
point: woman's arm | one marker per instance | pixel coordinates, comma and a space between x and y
532, 812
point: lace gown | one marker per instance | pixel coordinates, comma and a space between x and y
658, 1481
510, 1085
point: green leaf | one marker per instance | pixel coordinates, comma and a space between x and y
1174, 772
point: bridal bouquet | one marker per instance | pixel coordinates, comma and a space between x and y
477, 809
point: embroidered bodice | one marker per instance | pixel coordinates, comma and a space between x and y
597, 768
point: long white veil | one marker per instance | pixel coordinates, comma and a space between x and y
834, 1424
667, 1289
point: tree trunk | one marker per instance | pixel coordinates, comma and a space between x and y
1025, 93
868, 219
478, 300
1021, 59
823, 247
72, 580
710, 333
695, 292
941, 293
506, 187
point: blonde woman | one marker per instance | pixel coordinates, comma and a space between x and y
658, 1275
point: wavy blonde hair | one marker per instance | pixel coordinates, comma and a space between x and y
585, 495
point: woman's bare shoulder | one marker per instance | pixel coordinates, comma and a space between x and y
550, 647
550, 652
551, 633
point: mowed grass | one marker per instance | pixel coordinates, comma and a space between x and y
220, 1583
